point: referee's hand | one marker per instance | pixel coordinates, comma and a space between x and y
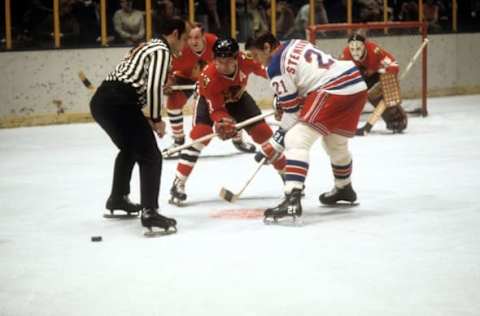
159, 128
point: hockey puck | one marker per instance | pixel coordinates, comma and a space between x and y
96, 238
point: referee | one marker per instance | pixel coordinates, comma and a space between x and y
138, 82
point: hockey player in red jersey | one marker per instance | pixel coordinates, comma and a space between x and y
380, 70
186, 69
222, 103
333, 93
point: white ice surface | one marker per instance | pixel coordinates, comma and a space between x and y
412, 246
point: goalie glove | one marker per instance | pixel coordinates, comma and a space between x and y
225, 128
273, 149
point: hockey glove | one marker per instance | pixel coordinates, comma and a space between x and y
272, 149
225, 128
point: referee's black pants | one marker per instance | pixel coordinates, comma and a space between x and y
114, 107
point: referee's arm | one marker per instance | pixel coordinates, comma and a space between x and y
157, 77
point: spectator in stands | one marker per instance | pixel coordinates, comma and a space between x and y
370, 10
129, 23
212, 11
163, 10
87, 14
431, 15
285, 20
408, 11
257, 17
302, 18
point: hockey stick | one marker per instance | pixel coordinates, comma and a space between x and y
381, 107
238, 126
88, 84
231, 197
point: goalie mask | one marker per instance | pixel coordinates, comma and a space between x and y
356, 46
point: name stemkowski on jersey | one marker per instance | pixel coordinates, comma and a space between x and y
145, 69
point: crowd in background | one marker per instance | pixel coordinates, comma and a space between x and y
32, 20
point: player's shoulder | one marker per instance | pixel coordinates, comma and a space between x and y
210, 38
373, 47
274, 68
209, 76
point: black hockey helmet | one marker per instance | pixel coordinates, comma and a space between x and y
225, 47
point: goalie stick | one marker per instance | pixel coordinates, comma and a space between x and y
231, 197
381, 107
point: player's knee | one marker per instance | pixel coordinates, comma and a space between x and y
199, 131
300, 136
260, 132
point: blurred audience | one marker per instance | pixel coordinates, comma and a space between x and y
129, 24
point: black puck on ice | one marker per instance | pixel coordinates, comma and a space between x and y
96, 238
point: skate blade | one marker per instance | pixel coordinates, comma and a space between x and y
159, 233
176, 202
340, 205
121, 216
288, 221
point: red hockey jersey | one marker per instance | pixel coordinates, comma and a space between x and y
219, 89
376, 60
185, 64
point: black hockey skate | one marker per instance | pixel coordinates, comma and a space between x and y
177, 192
290, 206
122, 204
245, 147
346, 195
151, 218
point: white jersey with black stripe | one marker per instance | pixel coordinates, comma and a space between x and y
145, 68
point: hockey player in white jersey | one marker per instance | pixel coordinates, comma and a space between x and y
321, 97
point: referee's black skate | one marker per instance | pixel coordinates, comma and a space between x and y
123, 203
151, 218
339, 196
290, 207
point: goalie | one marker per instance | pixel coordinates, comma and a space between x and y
380, 71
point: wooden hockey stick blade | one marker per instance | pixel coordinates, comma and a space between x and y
87, 83
227, 195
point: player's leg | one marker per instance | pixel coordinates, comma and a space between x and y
175, 104
188, 157
336, 147
298, 141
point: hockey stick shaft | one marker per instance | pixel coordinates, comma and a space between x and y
183, 87
88, 84
414, 59
257, 169
212, 135
231, 197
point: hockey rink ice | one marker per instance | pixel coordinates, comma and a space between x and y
412, 246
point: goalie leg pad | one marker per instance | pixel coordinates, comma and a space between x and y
390, 89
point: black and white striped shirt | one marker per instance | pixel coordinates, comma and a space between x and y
145, 68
